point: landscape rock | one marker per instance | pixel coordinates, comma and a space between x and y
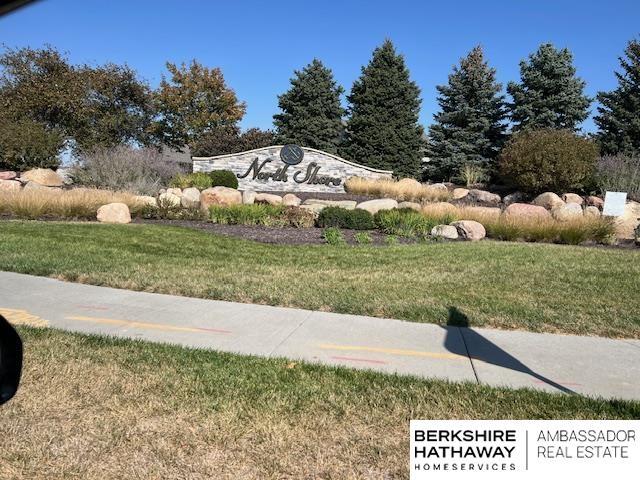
146, 200
291, 200
482, 196
8, 175
572, 198
220, 196
269, 198
439, 186
515, 197
566, 212
169, 198
470, 230
459, 193
374, 206
592, 211
595, 201
628, 221
445, 231
175, 191
10, 186
190, 198
248, 197
412, 205
316, 208
346, 204
114, 213
520, 210
42, 176
548, 200
37, 186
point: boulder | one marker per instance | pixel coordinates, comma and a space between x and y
445, 231
519, 210
482, 196
515, 197
592, 200
566, 212
248, 197
410, 183
114, 213
8, 175
346, 204
175, 191
459, 193
146, 200
592, 211
36, 186
572, 198
190, 198
439, 186
412, 205
269, 198
374, 206
219, 196
470, 229
291, 200
169, 199
42, 176
10, 186
548, 200
489, 212
628, 221
314, 208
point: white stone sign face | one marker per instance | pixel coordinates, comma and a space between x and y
614, 203
265, 170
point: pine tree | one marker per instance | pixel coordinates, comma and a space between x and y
311, 110
470, 127
383, 130
549, 95
619, 114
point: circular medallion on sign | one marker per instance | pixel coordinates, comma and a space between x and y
291, 154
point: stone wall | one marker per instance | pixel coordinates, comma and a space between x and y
262, 170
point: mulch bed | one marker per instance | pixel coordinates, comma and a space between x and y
271, 235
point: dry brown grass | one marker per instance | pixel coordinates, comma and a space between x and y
76, 203
401, 190
93, 408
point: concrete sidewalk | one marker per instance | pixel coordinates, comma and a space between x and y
571, 364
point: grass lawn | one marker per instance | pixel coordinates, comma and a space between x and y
97, 408
536, 287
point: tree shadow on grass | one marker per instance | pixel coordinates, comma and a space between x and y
485, 350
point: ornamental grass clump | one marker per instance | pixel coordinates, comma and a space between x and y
199, 180
79, 203
333, 236
404, 222
402, 190
261, 214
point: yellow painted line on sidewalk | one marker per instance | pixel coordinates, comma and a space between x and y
155, 326
23, 317
394, 351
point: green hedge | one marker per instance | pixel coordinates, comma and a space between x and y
223, 178
357, 219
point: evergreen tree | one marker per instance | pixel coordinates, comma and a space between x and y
619, 114
311, 110
549, 95
383, 130
470, 127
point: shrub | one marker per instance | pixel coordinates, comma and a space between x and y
261, 214
167, 210
535, 161
223, 178
357, 219
139, 170
333, 236
472, 174
363, 238
399, 190
298, 217
27, 144
619, 173
404, 222
199, 180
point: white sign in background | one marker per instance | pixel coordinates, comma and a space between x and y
524, 449
614, 203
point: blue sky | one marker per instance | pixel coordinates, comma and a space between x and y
259, 44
